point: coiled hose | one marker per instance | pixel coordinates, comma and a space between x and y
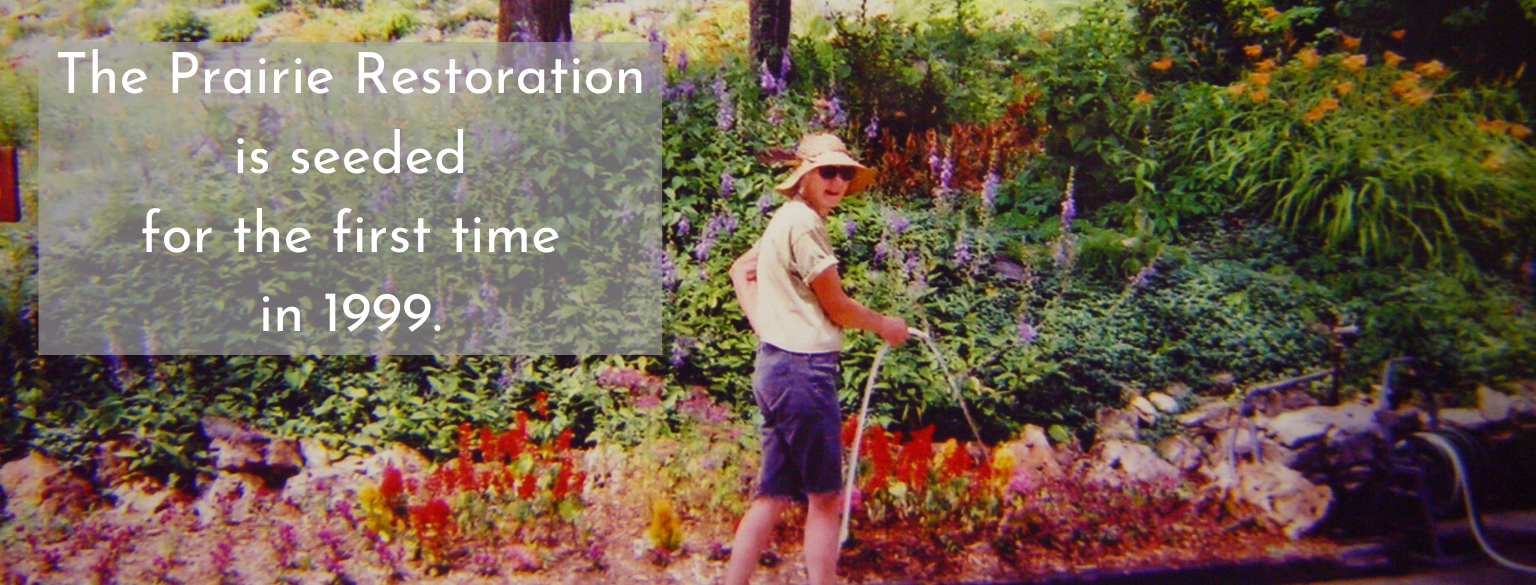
1464, 488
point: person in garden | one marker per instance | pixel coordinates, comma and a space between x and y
789, 288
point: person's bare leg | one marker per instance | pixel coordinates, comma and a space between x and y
751, 537
821, 546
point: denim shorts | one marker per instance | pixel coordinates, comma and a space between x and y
797, 394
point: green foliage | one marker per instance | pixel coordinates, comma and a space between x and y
18, 104
234, 23
179, 24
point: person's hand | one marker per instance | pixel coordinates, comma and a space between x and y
894, 330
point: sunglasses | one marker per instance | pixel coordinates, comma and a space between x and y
829, 173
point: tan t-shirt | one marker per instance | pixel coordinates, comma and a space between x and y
793, 251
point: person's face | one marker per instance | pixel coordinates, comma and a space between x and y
824, 187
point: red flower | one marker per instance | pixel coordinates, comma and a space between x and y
434, 516
957, 463
392, 484
880, 457
528, 486
465, 434
541, 404
562, 481
563, 442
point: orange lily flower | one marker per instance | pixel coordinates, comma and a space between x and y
1327, 104
1308, 57
1492, 126
1238, 88
1355, 62
1344, 87
1391, 58
1163, 64
1265, 66
1350, 42
1253, 51
1270, 13
1398, 34
1259, 95
1519, 131
1142, 97
1431, 69
1259, 78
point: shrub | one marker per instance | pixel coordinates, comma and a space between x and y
179, 24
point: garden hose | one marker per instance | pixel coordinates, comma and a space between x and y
858, 435
1464, 487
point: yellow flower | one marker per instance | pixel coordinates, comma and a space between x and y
1142, 97
1253, 51
1354, 62
1313, 115
1431, 69
1163, 64
1519, 131
1259, 78
1237, 89
1494, 162
1265, 65
1344, 87
1398, 34
1270, 13
1259, 95
1350, 42
1308, 57
1391, 58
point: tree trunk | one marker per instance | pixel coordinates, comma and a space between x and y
770, 32
534, 21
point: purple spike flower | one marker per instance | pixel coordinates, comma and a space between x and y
962, 255
849, 227
682, 226
989, 190
873, 129
767, 81
1027, 333
725, 116
933, 158
911, 264
896, 223
839, 118
784, 66
946, 171
1146, 273
682, 61
764, 203
1068, 204
727, 185
881, 249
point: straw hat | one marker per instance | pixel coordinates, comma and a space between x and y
823, 150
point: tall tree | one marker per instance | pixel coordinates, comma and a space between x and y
770, 32
541, 21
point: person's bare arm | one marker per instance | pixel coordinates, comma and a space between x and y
845, 311
744, 280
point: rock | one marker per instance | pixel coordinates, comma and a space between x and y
1177, 391
409, 461
1144, 408
1163, 402
1466, 418
1209, 417
282, 456
1284, 495
230, 498
1223, 379
1116, 463
36, 485
1522, 410
1178, 450
1033, 452
1115, 424
315, 454
1494, 405
1293, 428
140, 499
111, 462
